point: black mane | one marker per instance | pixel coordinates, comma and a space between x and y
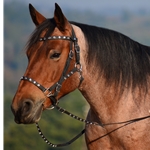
117, 57
48, 24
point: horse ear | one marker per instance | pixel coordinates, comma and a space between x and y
37, 18
60, 19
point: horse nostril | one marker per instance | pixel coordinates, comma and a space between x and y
27, 107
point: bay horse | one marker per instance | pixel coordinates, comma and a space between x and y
111, 71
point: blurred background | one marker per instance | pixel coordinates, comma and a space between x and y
129, 18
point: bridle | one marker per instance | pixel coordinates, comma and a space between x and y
53, 91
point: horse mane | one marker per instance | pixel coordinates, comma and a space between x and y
117, 57
48, 24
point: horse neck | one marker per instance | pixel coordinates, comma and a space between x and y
106, 102
90, 88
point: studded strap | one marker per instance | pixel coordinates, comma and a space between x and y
75, 117
42, 88
56, 38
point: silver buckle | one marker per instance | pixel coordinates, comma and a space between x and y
58, 87
49, 92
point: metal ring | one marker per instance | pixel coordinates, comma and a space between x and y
50, 108
78, 66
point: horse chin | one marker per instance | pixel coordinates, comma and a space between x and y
33, 117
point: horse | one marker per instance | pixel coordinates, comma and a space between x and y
111, 71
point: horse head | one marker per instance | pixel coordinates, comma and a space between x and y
53, 66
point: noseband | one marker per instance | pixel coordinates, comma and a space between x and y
53, 91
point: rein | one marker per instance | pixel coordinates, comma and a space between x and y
60, 109
53, 91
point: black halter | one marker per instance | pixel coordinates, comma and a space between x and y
53, 91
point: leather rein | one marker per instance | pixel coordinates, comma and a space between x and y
53, 91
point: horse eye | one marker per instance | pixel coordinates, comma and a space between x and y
55, 55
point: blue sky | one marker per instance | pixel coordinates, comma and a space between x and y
93, 5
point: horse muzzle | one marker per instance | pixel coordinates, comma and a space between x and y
28, 112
